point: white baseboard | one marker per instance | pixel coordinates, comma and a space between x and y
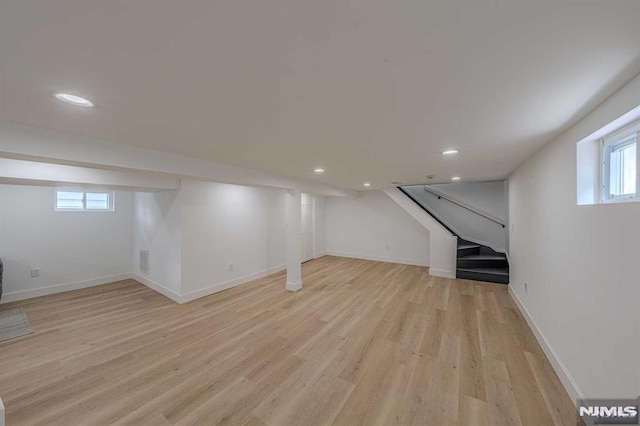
441, 273
157, 287
377, 258
60, 288
294, 286
569, 384
206, 291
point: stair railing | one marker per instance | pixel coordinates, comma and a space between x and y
427, 211
441, 195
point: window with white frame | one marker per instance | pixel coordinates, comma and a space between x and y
81, 200
620, 158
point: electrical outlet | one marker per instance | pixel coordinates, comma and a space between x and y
35, 272
526, 287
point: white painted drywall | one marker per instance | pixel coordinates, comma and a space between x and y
466, 223
442, 244
208, 237
72, 249
225, 225
373, 226
307, 227
46, 174
320, 222
581, 263
588, 171
489, 197
30, 143
157, 228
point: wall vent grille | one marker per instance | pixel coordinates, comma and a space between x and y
144, 261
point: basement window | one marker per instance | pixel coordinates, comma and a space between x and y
607, 162
619, 178
70, 200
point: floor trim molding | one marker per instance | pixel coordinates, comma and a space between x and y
294, 286
377, 258
565, 377
157, 287
441, 273
61, 288
206, 291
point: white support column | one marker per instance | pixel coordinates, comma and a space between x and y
294, 228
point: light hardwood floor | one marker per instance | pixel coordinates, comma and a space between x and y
363, 343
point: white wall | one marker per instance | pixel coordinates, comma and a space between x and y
581, 263
158, 229
465, 223
320, 222
373, 226
225, 225
72, 249
33, 143
208, 237
457, 205
45, 174
489, 197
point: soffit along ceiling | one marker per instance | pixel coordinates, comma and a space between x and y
368, 90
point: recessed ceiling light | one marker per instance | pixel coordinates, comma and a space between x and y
367, 184
318, 171
74, 100
455, 178
450, 152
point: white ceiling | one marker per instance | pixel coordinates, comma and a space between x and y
368, 90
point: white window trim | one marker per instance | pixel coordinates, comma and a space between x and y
606, 142
112, 200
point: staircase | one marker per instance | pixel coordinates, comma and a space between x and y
481, 263
474, 261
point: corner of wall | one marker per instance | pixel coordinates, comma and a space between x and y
561, 370
442, 245
157, 287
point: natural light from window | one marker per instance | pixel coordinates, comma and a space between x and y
79, 200
607, 162
620, 164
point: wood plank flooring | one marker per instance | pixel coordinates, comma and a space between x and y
364, 342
